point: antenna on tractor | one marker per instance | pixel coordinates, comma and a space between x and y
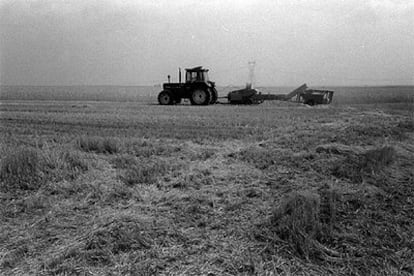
251, 65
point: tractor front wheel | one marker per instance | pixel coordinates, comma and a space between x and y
200, 97
165, 98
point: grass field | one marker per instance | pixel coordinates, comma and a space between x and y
133, 188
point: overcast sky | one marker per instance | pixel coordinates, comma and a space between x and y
332, 42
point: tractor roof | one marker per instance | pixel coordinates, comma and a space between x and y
196, 69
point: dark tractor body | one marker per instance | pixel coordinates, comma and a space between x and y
197, 87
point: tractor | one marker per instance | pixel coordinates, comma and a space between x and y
197, 87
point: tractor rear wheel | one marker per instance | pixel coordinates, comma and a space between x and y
214, 96
165, 98
200, 97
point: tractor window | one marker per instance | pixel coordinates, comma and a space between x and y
193, 76
205, 76
196, 76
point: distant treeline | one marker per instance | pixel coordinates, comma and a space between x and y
343, 95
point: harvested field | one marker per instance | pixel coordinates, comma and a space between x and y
133, 188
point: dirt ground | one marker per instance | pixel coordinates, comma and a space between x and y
129, 188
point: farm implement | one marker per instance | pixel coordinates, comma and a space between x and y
301, 94
201, 91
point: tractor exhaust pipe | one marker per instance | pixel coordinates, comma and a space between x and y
251, 65
179, 75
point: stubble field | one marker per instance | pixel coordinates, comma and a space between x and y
133, 188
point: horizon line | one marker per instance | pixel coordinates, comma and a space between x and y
229, 85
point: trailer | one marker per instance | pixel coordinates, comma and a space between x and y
301, 94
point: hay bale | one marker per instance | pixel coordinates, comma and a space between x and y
303, 220
358, 163
21, 169
296, 220
300, 211
358, 167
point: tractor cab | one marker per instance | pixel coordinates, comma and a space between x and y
196, 74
